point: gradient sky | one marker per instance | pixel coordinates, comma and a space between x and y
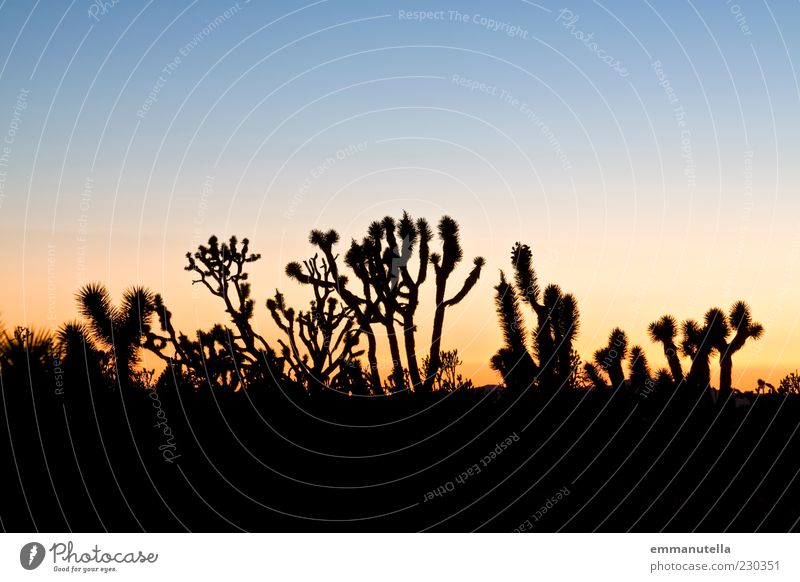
665, 182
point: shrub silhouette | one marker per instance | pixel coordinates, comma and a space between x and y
26, 356
789, 384
447, 378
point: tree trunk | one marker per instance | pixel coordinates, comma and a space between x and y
394, 350
616, 373
675, 368
700, 372
372, 358
545, 348
434, 358
411, 352
725, 376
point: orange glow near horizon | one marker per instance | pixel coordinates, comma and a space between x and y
45, 299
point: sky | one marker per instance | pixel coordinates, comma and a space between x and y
646, 151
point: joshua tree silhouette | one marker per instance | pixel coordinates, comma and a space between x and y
364, 309
740, 323
609, 360
411, 233
388, 289
443, 266
297, 437
699, 343
122, 329
221, 268
381, 265
641, 377
79, 355
223, 356
610, 357
664, 332
326, 331
557, 327
513, 360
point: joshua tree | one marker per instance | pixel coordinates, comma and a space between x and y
740, 323
221, 268
664, 332
375, 264
513, 361
380, 263
388, 292
565, 320
557, 321
79, 356
699, 343
443, 266
640, 376
325, 333
411, 234
121, 330
596, 380
365, 309
610, 358
214, 358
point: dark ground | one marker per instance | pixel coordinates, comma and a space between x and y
271, 459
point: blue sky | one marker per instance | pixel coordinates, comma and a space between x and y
645, 188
